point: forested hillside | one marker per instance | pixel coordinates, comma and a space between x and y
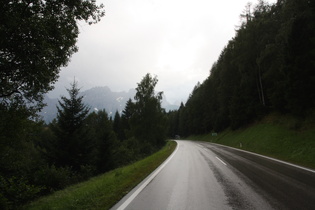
37, 38
269, 66
38, 159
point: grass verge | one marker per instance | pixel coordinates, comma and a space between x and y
103, 191
275, 136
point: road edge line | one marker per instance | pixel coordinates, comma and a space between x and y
148, 180
270, 158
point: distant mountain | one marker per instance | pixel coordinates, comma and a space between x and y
49, 112
99, 98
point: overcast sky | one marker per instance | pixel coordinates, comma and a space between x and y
176, 40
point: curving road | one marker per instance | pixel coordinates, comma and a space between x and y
202, 175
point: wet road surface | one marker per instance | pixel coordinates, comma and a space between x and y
201, 175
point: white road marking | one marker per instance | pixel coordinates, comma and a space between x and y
270, 158
130, 199
220, 160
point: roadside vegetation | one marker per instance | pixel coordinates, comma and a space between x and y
268, 67
282, 137
105, 190
78, 144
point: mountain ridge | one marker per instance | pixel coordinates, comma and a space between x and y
99, 98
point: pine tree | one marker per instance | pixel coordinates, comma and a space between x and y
117, 126
125, 119
104, 138
72, 146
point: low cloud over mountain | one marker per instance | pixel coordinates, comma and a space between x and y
99, 98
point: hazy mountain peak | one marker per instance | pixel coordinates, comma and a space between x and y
99, 98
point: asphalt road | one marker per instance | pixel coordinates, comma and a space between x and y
201, 175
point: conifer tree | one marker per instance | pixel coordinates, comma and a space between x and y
117, 126
72, 146
104, 139
125, 118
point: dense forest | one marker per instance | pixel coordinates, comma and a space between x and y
269, 66
38, 159
37, 38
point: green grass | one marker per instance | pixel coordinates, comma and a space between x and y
279, 137
103, 191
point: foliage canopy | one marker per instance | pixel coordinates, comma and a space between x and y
267, 67
36, 39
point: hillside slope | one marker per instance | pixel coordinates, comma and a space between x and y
281, 137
